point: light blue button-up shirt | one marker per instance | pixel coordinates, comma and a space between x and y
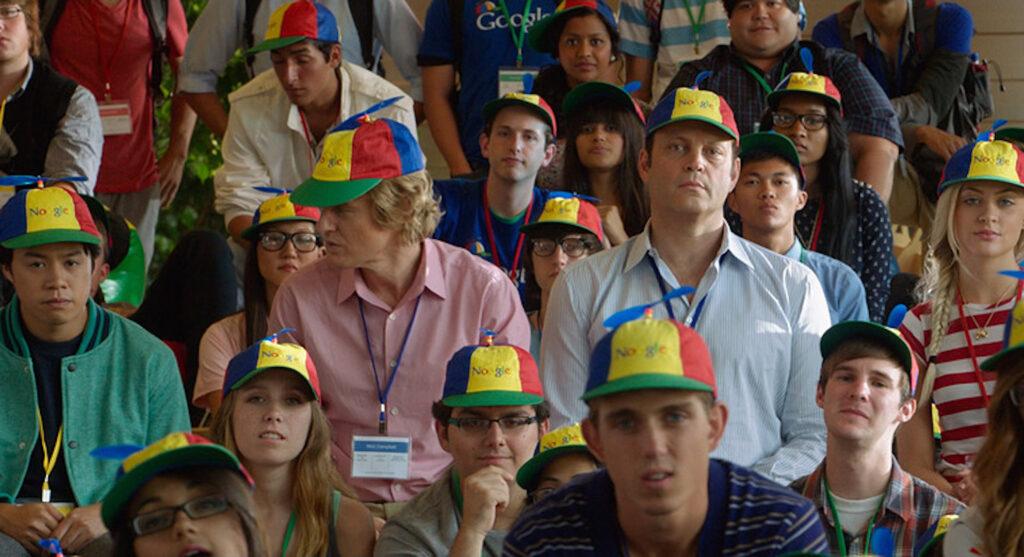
844, 292
762, 320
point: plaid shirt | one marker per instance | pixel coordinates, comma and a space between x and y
912, 507
866, 108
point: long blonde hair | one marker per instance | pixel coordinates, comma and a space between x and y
941, 277
999, 468
315, 476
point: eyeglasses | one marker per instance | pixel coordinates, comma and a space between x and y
573, 247
540, 493
10, 12
811, 122
303, 241
1017, 395
150, 523
480, 426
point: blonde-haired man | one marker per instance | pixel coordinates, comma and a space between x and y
387, 307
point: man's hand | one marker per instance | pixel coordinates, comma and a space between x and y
80, 527
943, 143
485, 493
28, 524
169, 170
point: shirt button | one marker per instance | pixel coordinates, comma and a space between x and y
73, 445
71, 367
21, 446
398, 487
391, 317
393, 363
394, 411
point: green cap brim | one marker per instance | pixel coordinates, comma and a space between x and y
537, 35
536, 226
185, 457
1015, 134
273, 44
692, 118
839, 333
945, 185
249, 376
992, 362
775, 96
322, 193
54, 236
528, 472
250, 232
493, 107
492, 398
646, 381
595, 90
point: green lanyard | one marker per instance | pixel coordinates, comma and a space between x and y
840, 537
518, 41
288, 534
696, 24
760, 79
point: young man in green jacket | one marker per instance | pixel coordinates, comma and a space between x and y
75, 377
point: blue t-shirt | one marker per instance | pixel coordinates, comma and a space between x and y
748, 514
486, 46
464, 224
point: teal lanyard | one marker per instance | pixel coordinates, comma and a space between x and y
288, 534
840, 537
517, 40
695, 23
760, 79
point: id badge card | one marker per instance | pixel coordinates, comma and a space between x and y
510, 79
381, 457
115, 117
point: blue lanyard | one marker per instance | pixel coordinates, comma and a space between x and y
668, 305
382, 424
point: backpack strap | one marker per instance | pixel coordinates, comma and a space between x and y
156, 13
49, 15
362, 15
455, 9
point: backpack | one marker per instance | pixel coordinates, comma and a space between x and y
362, 15
156, 13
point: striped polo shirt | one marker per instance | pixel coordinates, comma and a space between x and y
748, 514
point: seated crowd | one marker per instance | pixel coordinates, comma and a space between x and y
651, 318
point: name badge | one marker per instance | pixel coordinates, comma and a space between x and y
381, 457
115, 117
510, 79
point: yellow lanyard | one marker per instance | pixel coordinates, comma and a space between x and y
49, 461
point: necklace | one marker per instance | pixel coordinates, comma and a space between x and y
982, 330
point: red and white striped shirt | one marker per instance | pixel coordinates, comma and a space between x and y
957, 391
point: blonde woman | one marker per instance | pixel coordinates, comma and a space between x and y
977, 233
271, 419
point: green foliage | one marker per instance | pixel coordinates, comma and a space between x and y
193, 207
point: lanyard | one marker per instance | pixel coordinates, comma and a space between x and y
668, 304
695, 23
309, 140
817, 226
288, 534
494, 245
49, 460
382, 424
517, 40
108, 64
970, 344
760, 78
840, 537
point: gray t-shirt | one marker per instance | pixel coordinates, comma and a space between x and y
429, 523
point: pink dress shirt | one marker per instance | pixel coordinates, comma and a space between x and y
461, 294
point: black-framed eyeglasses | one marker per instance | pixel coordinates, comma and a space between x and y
480, 426
152, 522
303, 241
10, 12
573, 247
1017, 395
811, 122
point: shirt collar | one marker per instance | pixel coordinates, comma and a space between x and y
640, 247
794, 251
429, 276
900, 483
860, 25
24, 83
